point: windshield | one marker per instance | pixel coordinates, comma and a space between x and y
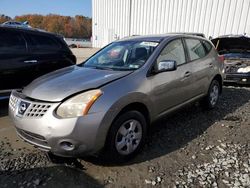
124, 55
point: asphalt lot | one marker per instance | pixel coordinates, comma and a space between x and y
191, 148
83, 53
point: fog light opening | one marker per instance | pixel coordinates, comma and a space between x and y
244, 80
67, 145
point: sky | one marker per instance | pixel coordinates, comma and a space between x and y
13, 8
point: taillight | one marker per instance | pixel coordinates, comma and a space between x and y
221, 58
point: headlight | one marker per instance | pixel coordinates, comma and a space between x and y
78, 105
244, 70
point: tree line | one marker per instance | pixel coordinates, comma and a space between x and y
71, 27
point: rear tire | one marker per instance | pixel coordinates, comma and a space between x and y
126, 137
211, 100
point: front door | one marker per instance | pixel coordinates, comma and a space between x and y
169, 89
47, 53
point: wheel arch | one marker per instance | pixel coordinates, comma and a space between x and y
134, 106
137, 106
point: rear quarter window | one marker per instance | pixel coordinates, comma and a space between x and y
207, 45
43, 43
12, 42
195, 49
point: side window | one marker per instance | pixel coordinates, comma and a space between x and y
173, 51
11, 42
195, 49
42, 43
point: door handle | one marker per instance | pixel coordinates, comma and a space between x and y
211, 65
187, 74
30, 61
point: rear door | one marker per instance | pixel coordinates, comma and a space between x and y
48, 53
170, 89
202, 64
15, 69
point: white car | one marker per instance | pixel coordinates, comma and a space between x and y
17, 24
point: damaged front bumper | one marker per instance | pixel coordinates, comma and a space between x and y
237, 78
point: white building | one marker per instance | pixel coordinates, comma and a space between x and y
114, 19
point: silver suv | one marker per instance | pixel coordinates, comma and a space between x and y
108, 102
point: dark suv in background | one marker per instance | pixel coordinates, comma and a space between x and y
26, 54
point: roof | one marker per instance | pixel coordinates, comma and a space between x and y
191, 33
152, 38
158, 37
27, 29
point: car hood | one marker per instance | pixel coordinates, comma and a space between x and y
232, 44
60, 84
237, 55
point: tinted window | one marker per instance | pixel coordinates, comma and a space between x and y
11, 42
195, 49
43, 43
173, 51
207, 45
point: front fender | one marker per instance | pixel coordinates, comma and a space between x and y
115, 109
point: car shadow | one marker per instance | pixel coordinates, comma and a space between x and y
177, 130
22, 167
4, 107
54, 176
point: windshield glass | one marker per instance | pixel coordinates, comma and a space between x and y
124, 55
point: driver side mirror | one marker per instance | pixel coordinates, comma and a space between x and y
165, 66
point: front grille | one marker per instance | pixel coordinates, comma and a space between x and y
33, 138
231, 69
13, 103
34, 109
37, 110
233, 78
33, 135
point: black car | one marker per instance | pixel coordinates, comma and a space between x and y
236, 52
27, 53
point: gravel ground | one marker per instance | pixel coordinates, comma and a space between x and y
191, 148
83, 53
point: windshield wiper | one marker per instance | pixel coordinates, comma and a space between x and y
109, 68
101, 68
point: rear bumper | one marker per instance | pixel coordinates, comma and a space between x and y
237, 78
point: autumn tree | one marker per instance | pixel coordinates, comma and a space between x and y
73, 27
4, 18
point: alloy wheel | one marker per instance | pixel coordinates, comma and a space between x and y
128, 137
214, 95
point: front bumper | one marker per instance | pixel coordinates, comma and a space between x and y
72, 137
237, 78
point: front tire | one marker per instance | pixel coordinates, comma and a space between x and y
211, 100
126, 136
